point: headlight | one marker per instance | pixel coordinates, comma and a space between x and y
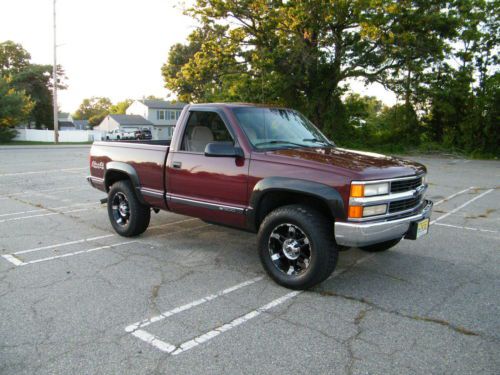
376, 189
369, 190
374, 210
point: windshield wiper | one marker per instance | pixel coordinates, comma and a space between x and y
275, 141
316, 140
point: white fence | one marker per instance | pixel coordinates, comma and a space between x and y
64, 135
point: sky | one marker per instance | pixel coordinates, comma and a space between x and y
111, 48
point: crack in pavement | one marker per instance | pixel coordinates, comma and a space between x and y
442, 322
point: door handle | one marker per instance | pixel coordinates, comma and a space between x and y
176, 164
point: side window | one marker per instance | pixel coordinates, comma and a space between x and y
203, 128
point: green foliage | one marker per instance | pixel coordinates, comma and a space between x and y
32, 79
94, 109
439, 57
121, 107
15, 106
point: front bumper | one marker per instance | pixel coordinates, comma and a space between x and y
369, 233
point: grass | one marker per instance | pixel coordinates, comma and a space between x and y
36, 143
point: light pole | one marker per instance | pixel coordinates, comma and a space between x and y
54, 77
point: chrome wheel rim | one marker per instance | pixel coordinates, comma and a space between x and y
121, 209
290, 249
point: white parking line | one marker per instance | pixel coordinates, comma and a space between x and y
62, 244
236, 322
41, 172
143, 323
36, 192
468, 228
455, 210
49, 209
76, 253
14, 259
452, 196
166, 347
40, 215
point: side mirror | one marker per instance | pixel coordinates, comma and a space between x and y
222, 149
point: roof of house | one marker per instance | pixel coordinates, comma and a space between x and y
81, 122
162, 104
130, 120
66, 124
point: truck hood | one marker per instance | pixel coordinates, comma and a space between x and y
357, 164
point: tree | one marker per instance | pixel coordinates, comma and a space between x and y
299, 53
36, 81
94, 110
120, 108
15, 106
13, 58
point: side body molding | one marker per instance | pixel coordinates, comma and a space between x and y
130, 171
326, 193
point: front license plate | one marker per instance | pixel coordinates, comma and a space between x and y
422, 227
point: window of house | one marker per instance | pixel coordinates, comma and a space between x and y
203, 128
160, 115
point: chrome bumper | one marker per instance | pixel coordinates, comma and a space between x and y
368, 233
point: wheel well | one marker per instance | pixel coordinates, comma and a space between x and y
274, 199
114, 176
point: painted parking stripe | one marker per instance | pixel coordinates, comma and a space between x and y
14, 259
455, 210
42, 172
40, 191
467, 228
144, 323
234, 323
76, 253
446, 199
62, 244
41, 215
49, 209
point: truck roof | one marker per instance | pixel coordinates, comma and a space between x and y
236, 105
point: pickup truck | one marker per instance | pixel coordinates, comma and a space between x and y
118, 134
270, 171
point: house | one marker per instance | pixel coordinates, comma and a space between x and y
82, 125
66, 125
111, 122
161, 113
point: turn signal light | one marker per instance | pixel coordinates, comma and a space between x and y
355, 212
357, 191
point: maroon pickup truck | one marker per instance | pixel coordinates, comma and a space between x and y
271, 171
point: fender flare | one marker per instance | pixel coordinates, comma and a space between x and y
130, 171
327, 194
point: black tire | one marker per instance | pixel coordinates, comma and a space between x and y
320, 246
128, 216
382, 246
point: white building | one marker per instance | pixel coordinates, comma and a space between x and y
126, 122
161, 113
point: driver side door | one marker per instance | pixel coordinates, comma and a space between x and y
211, 188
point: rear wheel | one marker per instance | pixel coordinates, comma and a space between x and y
296, 246
382, 246
128, 216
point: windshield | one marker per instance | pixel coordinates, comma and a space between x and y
278, 128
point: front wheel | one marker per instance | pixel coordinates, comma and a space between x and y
382, 246
296, 246
128, 216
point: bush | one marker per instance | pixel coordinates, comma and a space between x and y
7, 134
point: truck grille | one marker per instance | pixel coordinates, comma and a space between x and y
405, 204
405, 185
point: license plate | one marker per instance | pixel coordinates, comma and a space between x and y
422, 227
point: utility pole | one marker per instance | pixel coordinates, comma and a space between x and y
54, 78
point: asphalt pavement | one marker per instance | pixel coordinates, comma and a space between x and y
188, 297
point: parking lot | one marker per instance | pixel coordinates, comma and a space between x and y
188, 297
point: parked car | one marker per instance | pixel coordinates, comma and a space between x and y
143, 134
270, 171
118, 134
